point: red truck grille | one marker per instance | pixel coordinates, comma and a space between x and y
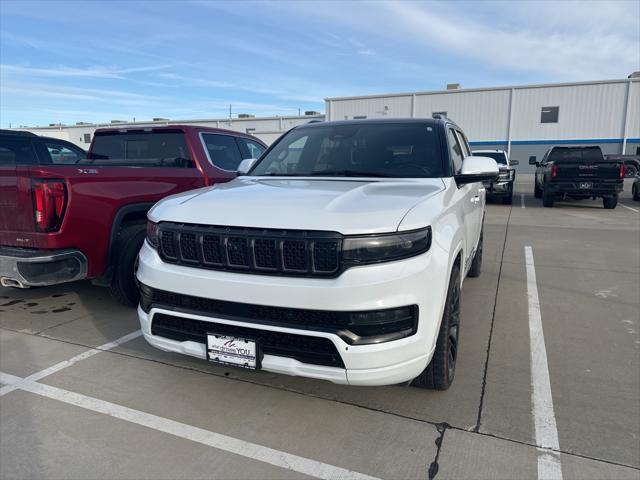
275, 252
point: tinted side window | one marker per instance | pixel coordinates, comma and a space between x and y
222, 150
62, 154
140, 149
455, 151
16, 151
253, 149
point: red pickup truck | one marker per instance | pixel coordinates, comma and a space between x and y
64, 218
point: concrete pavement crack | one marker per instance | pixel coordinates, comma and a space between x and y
434, 467
493, 318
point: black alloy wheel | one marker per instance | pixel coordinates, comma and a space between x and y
454, 324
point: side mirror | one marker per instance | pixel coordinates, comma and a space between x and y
514, 162
246, 165
532, 160
477, 169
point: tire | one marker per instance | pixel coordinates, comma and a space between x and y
630, 171
636, 193
610, 202
476, 264
547, 200
124, 286
508, 200
537, 191
440, 372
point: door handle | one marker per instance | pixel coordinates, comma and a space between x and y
475, 199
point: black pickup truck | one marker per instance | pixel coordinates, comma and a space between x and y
577, 173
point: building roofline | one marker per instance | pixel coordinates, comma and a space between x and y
169, 122
486, 89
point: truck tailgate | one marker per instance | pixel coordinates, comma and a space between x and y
603, 170
93, 197
16, 212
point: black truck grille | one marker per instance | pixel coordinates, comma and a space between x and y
304, 348
273, 252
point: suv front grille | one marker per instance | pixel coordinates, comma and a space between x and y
304, 348
274, 252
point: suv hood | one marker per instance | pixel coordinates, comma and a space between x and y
347, 206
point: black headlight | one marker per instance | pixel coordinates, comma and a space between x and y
152, 234
362, 250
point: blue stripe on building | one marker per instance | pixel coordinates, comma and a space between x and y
556, 142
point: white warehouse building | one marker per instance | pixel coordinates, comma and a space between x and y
523, 120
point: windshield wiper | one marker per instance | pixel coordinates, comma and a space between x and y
346, 173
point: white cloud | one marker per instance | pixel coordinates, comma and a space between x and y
557, 40
65, 71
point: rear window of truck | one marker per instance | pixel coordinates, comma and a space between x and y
590, 154
140, 149
499, 157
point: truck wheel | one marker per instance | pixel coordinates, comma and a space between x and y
610, 202
476, 264
439, 373
537, 191
547, 200
508, 200
636, 193
123, 285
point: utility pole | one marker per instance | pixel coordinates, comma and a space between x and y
298, 112
229, 112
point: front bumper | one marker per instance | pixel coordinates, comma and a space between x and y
416, 281
503, 186
23, 267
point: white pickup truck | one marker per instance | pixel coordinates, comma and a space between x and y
338, 255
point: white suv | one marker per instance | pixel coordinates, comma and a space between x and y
339, 255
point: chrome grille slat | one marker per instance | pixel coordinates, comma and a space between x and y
250, 250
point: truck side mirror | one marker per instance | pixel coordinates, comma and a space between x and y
532, 160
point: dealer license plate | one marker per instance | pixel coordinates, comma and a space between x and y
586, 185
236, 351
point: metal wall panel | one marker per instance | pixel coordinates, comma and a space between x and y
379, 107
633, 128
586, 111
484, 116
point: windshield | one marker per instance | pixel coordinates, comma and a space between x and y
356, 150
499, 157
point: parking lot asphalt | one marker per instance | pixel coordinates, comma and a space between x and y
128, 410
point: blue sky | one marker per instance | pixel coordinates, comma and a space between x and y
103, 60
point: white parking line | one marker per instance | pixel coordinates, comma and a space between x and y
544, 418
522, 200
67, 363
628, 208
254, 451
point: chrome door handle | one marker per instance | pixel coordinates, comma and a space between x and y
475, 199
